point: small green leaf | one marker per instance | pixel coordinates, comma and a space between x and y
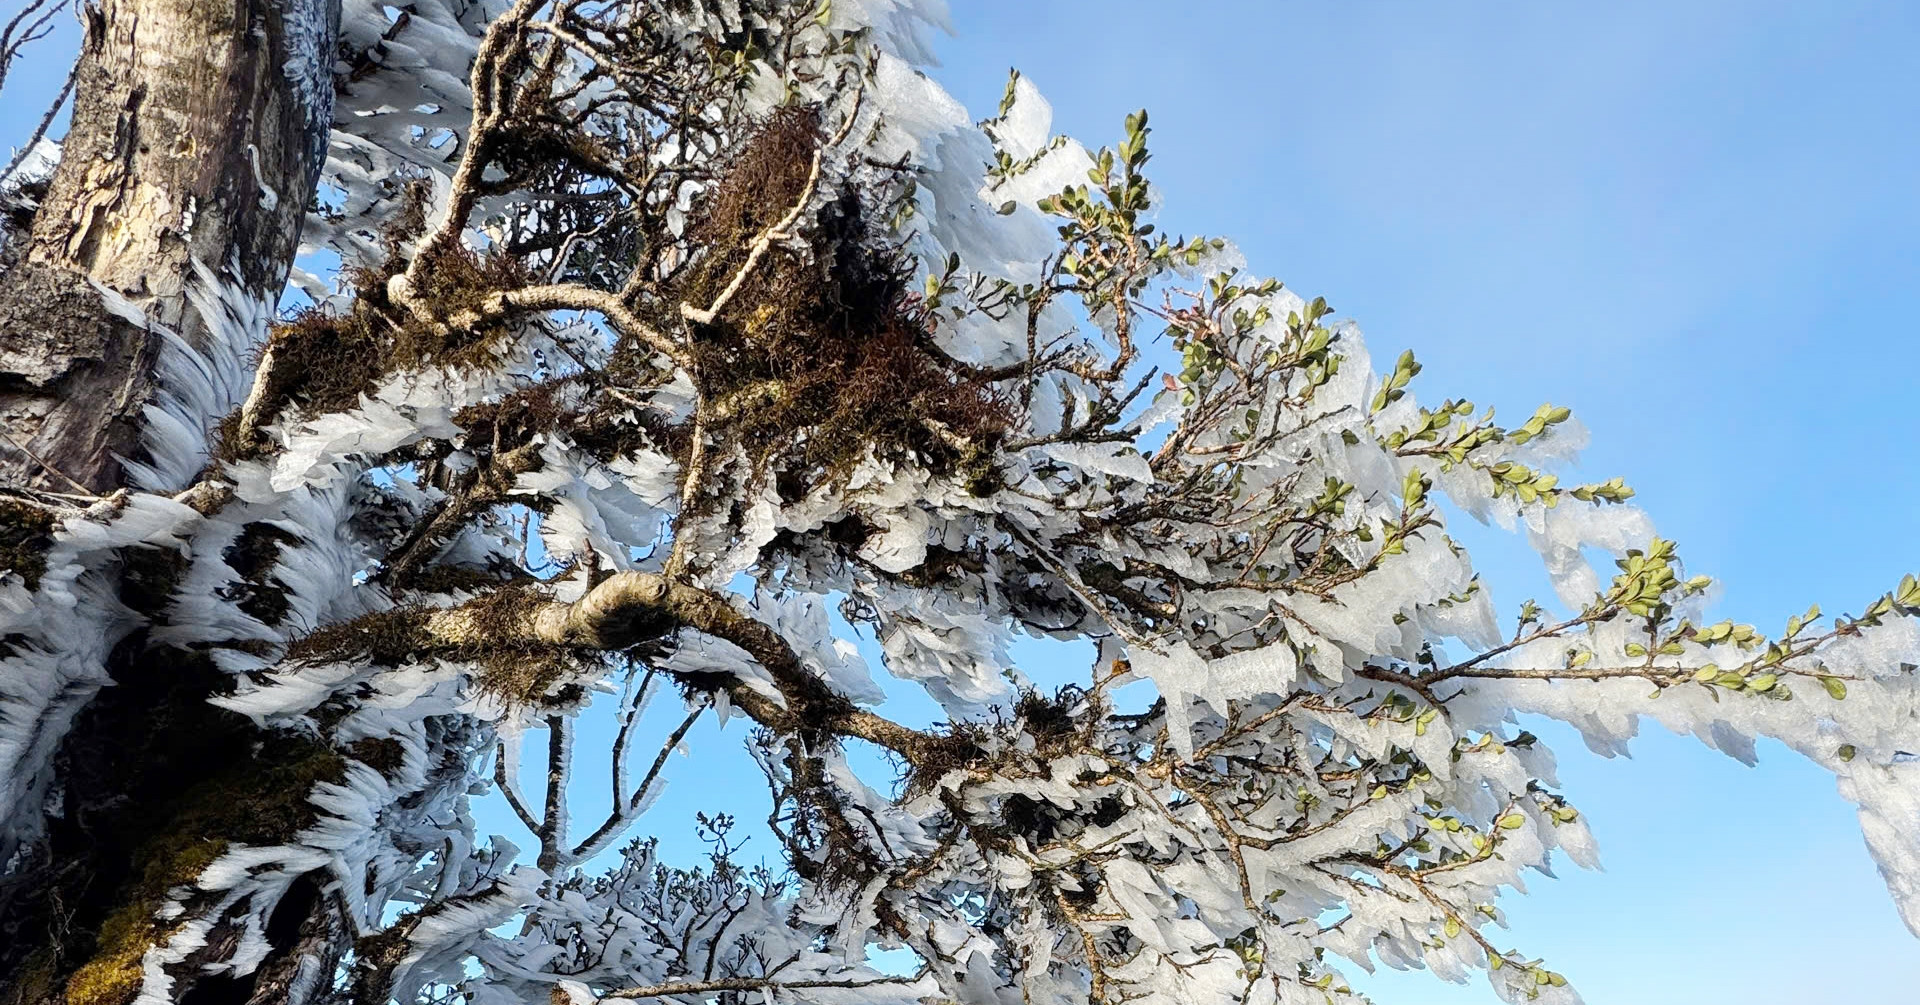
1846, 752
1511, 822
1835, 687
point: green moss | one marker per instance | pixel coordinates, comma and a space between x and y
506, 663
26, 535
112, 975
253, 554
261, 800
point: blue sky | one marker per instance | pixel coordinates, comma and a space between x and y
1695, 223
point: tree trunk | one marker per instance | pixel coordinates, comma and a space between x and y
199, 129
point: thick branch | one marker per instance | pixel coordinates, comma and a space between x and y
632, 607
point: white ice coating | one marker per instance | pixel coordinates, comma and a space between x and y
1138, 855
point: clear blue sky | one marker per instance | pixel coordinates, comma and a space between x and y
1695, 223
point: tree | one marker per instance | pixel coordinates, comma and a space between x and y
672, 343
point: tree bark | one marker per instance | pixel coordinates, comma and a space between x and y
199, 129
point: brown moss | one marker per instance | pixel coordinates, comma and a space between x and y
509, 666
148, 576
383, 638
1059, 725
26, 535
452, 579
513, 421
36, 979
758, 189
826, 355
324, 361
963, 745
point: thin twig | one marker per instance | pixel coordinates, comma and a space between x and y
46, 121
56, 472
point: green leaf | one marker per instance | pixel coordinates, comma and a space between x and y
1511, 822
1835, 687
1846, 752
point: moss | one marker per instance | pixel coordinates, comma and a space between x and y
450, 579
383, 754
260, 800
148, 575
506, 664
35, 980
512, 668
513, 421
26, 535
323, 361
113, 974
757, 190
384, 638
962, 746
253, 554
827, 356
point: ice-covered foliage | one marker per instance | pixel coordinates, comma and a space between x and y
671, 327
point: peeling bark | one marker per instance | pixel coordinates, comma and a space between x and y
197, 133
199, 129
